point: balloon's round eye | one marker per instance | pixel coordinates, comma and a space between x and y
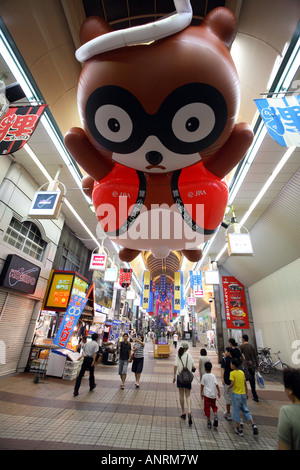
193, 122
113, 123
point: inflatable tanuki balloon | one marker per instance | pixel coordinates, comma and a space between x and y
159, 134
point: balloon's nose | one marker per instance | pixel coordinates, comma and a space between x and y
154, 157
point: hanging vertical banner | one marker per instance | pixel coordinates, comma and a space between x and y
17, 126
125, 277
151, 304
70, 320
115, 330
146, 290
177, 298
235, 303
163, 284
282, 119
196, 283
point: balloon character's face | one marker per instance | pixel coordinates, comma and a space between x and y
164, 106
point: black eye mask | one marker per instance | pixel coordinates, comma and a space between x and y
190, 119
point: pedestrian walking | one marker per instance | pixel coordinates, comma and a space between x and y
175, 340
203, 359
239, 397
235, 350
225, 373
288, 429
138, 359
89, 353
184, 360
250, 363
124, 358
209, 391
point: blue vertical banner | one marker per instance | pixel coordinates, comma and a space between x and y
196, 283
281, 117
150, 302
70, 320
115, 330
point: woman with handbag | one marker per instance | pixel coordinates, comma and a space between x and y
183, 368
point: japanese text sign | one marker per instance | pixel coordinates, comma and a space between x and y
178, 291
282, 119
145, 299
17, 126
125, 277
196, 283
69, 321
235, 303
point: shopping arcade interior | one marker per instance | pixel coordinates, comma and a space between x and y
273, 220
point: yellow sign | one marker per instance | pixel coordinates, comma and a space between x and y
146, 290
177, 291
59, 291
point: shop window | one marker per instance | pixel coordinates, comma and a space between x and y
26, 237
69, 262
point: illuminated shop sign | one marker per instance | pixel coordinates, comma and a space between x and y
19, 274
46, 205
98, 261
62, 286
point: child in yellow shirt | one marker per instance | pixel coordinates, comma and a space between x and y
239, 397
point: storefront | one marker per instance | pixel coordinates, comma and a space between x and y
62, 286
18, 282
205, 327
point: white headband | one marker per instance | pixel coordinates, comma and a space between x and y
138, 34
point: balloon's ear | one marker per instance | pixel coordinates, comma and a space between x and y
222, 23
93, 27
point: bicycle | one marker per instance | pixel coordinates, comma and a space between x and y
263, 353
265, 366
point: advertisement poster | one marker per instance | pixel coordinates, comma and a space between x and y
235, 303
103, 290
115, 330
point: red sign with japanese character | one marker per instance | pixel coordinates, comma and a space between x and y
17, 126
125, 277
235, 303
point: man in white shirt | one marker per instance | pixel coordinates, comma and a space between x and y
90, 350
209, 385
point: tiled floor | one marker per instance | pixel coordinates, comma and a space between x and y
47, 415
